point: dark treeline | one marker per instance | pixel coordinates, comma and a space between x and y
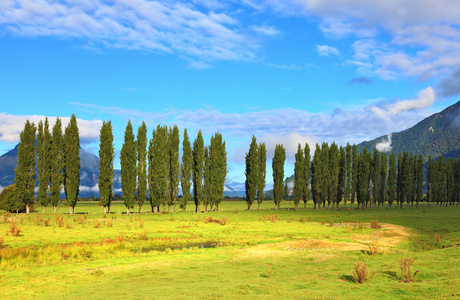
150, 173
342, 174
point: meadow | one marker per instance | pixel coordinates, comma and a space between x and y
233, 253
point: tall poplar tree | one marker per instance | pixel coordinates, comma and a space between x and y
57, 164
316, 177
348, 161
251, 172
72, 163
141, 165
383, 178
197, 176
207, 181
278, 173
173, 166
429, 181
128, 158
106, 155
24, 172
43, 162
354, 174
186, 170
158, 167
342, 176
392, 192
262, 173
299, 176
218, 169
306, 176
376, 164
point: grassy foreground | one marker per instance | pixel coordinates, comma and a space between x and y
303, 254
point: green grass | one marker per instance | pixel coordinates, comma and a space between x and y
297, 254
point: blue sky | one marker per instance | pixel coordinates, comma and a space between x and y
287, 71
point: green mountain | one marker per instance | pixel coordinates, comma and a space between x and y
436, 135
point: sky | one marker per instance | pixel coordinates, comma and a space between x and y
286, 71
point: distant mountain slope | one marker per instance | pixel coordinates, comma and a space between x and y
436, 135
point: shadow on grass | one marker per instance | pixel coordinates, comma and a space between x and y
390, 274
348, 278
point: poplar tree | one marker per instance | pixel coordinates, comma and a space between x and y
251, 172
158, 167
342, 176
72, 163
43, 162
197, 178
24, 172
392, 194
347, 188
383, 178
362, 189
450, 182
306, 176
299, 176
106, 155
333, 174
316, 177
354, 175
376, 164
173, 166
141, 165
262, 173
186, 170
128, 160
57, 164
218, 168
429, 181
278, 173
207, 182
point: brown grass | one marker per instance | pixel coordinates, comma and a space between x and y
406, 274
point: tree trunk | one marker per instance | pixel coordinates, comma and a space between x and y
27, 209
197, 208
54, 209
71, 210
169, 209
258, 208
105, 210
277, 205
44, 209
305, 205
155, 209
296, 206
127, 211
108, 210
140, 209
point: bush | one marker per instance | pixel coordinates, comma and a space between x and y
108, 223
405, 264
14, 229
9, 200
437, 237
361, 274
60, 221
97, 224
375, 224
373, 248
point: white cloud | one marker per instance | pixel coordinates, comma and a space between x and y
160, 26
12, 125
94, 189
384, 146
425, 98
325, 50
265, 30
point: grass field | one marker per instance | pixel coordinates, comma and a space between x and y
304, 254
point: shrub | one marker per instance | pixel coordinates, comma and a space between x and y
405, 264
14, 229
97, 224
361, 274
46, 222
38, 220
60, 221
81, 220
272, 219
142, 235
108, 223
375, 224
373, 248
67, 225
437, 236
268, 271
